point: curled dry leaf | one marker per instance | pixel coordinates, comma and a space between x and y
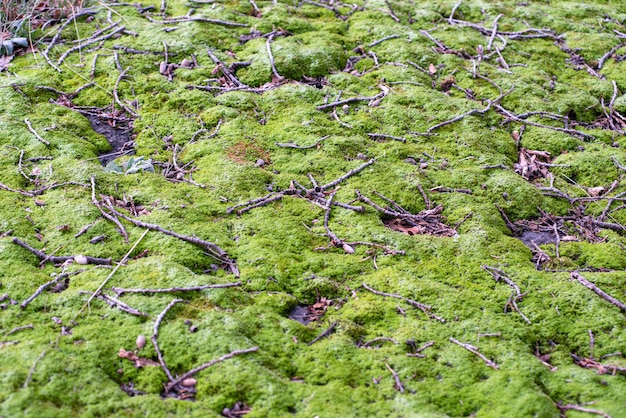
139, 361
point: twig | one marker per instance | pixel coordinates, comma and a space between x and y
573, 407
591, 343
32, 369
34, 132
155, 334
386, 38
271, 57
370, 342
212, 248
609, 54
61, 259
425, 308
90, 42
474, 350
17, 329
120, 291
44, 286
575, 275
112, 273
391, 12
122, 306
324, 333
396, 378
292, 145
348, 174
108, 216
209, 364
117, 97
395, 138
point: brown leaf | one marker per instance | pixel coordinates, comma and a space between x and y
139, 361
4, 62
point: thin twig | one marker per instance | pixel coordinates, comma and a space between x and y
209, 364
120, 291
112, 273
474, 350
34, 132
155, 334
396, 378
324, 333
32, 369
575, 275
425, 308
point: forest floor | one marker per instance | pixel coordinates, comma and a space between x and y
314, 208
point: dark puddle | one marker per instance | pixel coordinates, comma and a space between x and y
538, 237
300, 314
118, 134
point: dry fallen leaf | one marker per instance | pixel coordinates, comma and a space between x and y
4, 62
139, 361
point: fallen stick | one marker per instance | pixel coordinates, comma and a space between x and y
112, 273
155, 334
575, 275
425, 308
474, 350
396, 378
34, 132
120, 291
324, 333
61, 259
44, 286
209, 364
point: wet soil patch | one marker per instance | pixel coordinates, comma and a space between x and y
117, 133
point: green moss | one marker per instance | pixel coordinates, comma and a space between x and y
279, 247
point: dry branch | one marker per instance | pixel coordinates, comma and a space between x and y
155, 334
120, 291
190, 373
474, 350
61, 259
575, 275
424, 308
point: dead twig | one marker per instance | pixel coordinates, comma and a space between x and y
18, 329
576, 276
44, 286
120, 291
424, 308
122, 306
296, 146
61, 259
396, 378
34, 132
124, 259
190, 373
324, 333
573, 407
32, 369
155, 334
379, 339
475, 351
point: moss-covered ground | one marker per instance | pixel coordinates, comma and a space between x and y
67, 363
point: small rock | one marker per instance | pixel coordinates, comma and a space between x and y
190, 381
346, 109
348, 248
141, 342
162, 67
615, 144
193, 328
80, 259
186, 63
260, 162
424, 166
